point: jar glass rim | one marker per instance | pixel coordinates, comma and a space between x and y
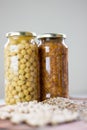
20, 33
51, 35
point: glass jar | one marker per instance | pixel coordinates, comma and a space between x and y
21, 68
53, 55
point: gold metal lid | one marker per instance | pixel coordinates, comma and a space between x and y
20, 33
51, 35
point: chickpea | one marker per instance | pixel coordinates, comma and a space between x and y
26, 70
15, 78
20, 56
26, 57
27, 75
21, 72
23, 99
31, 79
21, 94
14, 83
31, 68
23, 52
31, 60
21, 82
24, 87
23, 61
29, 51
14, 92
9, 95
28, 98
30, 89
18, 88
11, 88
12, 101
22, 66
7, 100
21, 77
28, 64
32, 73
25, 92
17, 100
21, 47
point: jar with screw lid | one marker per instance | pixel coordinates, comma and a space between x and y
53, 53
21, 68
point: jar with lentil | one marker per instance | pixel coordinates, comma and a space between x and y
21, 68
53, 55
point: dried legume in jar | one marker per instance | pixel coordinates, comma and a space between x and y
21, 68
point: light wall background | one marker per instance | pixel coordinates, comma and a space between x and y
60, 16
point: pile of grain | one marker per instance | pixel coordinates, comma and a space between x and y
37, 113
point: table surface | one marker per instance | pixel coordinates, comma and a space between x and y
77, 125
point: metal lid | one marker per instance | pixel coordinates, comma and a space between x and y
51, 35
31, 34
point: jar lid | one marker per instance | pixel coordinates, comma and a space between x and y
9, 34
51, 35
